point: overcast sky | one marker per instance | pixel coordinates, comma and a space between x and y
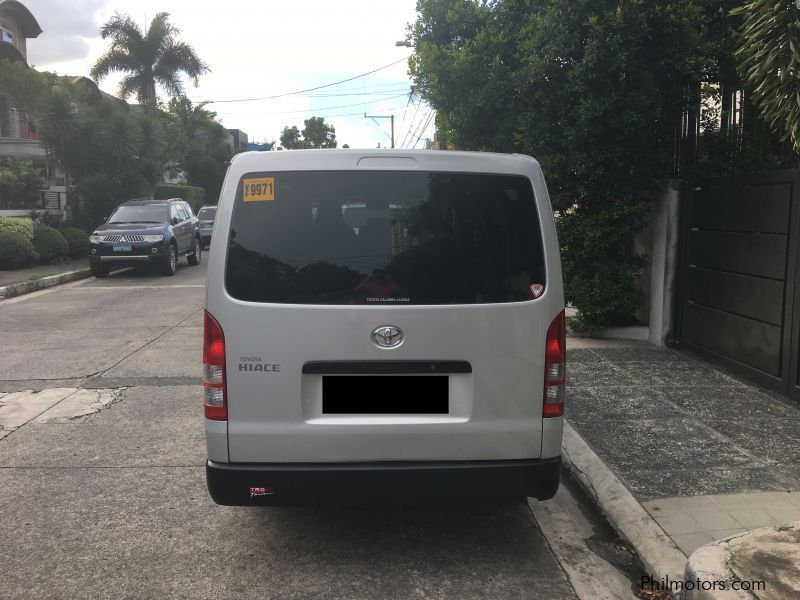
265, 48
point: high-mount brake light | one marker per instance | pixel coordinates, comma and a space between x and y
555, 368
215, 399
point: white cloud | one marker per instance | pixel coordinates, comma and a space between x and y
66, 27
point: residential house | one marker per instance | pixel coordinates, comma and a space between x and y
18, 136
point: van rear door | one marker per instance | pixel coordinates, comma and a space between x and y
385, 316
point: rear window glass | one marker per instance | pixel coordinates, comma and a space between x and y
371, 237
207, 214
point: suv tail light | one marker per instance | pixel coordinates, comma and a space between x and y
555, 368
214, 394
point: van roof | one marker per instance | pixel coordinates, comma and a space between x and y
347, 159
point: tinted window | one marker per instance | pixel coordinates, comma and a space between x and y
207, 214
385, 238
140, 213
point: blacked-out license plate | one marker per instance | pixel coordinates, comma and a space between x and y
122, 247
385, 394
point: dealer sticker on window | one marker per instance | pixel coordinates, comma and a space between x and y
260, 189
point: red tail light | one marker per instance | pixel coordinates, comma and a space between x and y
555, 368
214, 394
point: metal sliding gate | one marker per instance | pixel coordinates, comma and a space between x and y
739, 301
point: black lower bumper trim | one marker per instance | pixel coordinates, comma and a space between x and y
358, 483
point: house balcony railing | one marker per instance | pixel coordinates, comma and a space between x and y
41, 200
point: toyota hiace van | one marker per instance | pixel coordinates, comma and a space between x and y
383, 324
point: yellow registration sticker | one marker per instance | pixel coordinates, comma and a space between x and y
261, 189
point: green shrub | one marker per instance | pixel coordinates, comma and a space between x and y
20, 225
49, 243
193, 195
77, 240
99, 196
16, 250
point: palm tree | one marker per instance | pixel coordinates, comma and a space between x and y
59, 125
147, 58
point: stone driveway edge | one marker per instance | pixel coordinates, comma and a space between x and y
26, 287
712, 562
658, 553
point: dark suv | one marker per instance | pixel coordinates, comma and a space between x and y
146, 232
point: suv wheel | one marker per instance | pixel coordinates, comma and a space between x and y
99, 269
170, 265
194, 255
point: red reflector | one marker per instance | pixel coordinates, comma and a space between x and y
215, 399
555, 362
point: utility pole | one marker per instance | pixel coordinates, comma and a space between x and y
373, 117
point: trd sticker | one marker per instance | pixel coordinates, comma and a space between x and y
261, 491
258, 189
537, 289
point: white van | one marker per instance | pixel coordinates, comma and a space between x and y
384, 325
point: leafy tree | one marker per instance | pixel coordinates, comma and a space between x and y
20, 182
290, 138
770, 53
318, 134
315, 134
24, 86
148, 58
197, 144
593, 89
187, 124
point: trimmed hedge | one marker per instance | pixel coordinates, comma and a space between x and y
19, 225
49, 243
195, 196
77, 240
16, 250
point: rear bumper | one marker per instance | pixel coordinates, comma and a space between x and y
411, 482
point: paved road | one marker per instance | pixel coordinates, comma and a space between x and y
102, 493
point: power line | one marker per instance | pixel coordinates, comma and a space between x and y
416, 129
424, 128
319, 87
374, 90
314, 110
377, 93
358, 114
411, 124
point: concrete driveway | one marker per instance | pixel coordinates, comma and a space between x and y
102, 485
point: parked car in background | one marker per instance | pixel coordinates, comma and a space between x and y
206, 215
143, 232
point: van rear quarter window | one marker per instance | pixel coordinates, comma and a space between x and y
372, 237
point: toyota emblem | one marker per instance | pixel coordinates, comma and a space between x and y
387, 336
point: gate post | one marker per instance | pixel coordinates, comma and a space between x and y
664, 261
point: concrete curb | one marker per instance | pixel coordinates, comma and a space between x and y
762, 553
26, 287
658, 553
710, 563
